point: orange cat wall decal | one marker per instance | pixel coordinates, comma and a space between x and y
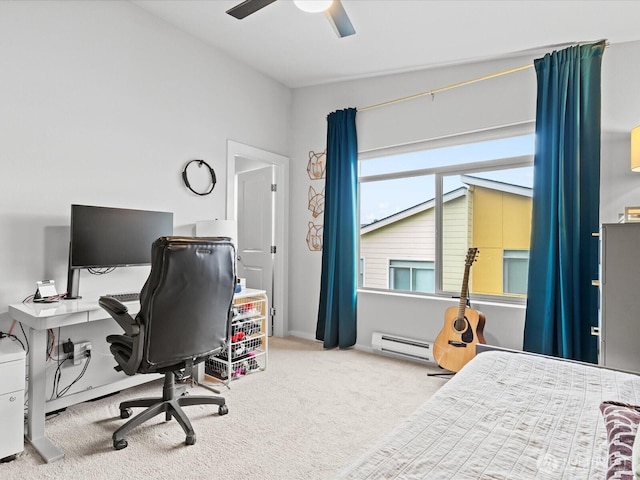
316, 202
317, 165
314, 237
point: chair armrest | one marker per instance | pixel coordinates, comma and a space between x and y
120, 313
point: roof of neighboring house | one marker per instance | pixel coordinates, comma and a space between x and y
452, 195
497, 185
421, 207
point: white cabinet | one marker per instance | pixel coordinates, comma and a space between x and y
12, 380
246, 350
619, 296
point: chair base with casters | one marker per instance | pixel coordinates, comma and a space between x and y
171, 403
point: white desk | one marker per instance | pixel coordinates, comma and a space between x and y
39, 317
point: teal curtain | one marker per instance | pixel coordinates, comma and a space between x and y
562, 304
336, 325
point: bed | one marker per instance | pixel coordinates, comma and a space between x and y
513, 416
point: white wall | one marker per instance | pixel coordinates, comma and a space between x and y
505, 100
619, 186
103, 104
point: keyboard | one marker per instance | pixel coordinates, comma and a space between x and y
125, 297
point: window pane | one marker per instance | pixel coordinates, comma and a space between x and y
457, 234
412, 275
516, 270
400, 278
456, 155
424, 280
488, 210
398, 224
387, 200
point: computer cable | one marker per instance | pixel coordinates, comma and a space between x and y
56, 378
80, 375
58, 373
100, 271
52, 298
13, 337
26, 339
51, 342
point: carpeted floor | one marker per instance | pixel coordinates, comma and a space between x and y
311, 412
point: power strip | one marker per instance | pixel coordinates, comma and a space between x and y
80, 352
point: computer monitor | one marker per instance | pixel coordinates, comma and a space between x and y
104, 237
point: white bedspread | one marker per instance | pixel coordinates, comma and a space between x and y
505, 416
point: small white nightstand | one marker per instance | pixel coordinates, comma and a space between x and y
12, 380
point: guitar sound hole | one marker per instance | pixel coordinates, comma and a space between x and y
460, 324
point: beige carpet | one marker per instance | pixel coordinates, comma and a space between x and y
311, 412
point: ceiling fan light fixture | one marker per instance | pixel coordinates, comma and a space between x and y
313, 6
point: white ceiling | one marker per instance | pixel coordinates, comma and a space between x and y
301, 49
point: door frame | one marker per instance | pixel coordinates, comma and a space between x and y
238, 153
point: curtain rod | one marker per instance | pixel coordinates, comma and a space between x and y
474, 80
448, 87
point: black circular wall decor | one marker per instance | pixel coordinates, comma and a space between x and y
200, 164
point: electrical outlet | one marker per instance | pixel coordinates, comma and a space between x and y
67, 347
80, 350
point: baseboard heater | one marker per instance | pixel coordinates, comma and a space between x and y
402, 347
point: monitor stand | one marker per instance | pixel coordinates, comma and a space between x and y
73, 284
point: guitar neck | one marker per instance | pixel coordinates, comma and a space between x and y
465, 292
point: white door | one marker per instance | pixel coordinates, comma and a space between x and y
255, 230
243, 158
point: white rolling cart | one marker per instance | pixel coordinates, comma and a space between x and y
246, 351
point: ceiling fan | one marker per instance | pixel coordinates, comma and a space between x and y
333, 10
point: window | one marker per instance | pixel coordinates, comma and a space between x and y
425, 209
411, 275
515, 271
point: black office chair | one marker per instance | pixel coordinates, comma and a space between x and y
184, 317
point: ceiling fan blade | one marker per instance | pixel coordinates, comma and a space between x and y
248, 7
339, 19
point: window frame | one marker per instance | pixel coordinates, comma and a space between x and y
496, 133
411, 269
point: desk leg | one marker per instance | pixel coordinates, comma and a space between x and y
37, 398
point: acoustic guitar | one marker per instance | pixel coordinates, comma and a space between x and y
463, 328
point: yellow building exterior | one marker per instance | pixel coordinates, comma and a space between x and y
501, 221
